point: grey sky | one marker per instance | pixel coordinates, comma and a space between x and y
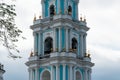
103, 38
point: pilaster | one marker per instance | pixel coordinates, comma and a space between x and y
60, 40
36, 73
81, 45
84, 39
57, 72
71, 72
64, 71
54, 39
52, 72
67, 41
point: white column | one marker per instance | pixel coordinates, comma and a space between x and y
74, 74
30, 74
86, 75
35, 50
60, 42
52, 73
64, 71
81, 45
89, 75
71, 73
57, 72
76, 10
67, 41
70, 39
39, 45
54, 42
36, 73
84, 43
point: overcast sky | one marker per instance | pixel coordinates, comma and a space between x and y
103, 40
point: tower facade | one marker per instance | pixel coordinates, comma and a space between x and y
59, 43
2, 71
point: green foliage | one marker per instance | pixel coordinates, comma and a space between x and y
9, 33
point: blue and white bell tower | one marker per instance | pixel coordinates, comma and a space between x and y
63, 7
59, 43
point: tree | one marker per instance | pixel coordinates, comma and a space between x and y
9, 33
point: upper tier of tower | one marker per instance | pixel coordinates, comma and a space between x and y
55, 7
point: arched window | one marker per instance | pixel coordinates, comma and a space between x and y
74, 44
46, 75
78, 75
52, 10
48, 45
69, 10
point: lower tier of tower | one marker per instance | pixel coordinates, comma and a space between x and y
60, 72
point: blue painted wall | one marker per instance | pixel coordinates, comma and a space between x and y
54, 73
46, 8
74, 10
61, 72
57, 38
67, 72
56, 6
63, 38
62, 6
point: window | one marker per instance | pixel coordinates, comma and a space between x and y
78, 75
48, 45
74, 44
46, 75
52, 10
69, 10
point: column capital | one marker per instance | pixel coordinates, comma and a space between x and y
64, 64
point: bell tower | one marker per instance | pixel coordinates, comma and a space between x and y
56, 7
59, 43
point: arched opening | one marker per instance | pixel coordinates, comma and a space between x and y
74, 44
46, 75
48, 45
78, 75
52, 10
69, 10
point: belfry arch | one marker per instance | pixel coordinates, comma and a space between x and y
52, 10
69, 10
74, 44
78, 75
48, 45
46, 75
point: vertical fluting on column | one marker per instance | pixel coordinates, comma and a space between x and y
71, 72
54, 42
60, 40
64, 71
57, 72
67, 41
